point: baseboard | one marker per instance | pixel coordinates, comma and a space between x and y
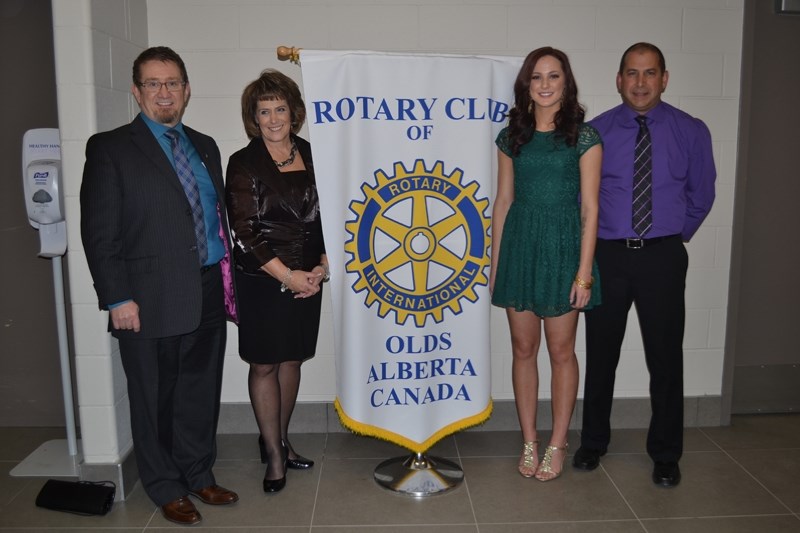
699, 411
124, 474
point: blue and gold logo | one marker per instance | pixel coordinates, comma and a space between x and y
419, 242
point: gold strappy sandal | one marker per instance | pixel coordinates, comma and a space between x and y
545, 472
528, 462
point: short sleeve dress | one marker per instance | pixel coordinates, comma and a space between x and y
541, 243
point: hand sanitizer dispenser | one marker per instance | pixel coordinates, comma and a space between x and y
44, 198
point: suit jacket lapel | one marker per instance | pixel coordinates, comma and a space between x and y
143, 138
214, 168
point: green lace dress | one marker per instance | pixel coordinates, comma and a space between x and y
541, 244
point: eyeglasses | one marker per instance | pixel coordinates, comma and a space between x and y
153, 86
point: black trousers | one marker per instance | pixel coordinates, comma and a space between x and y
654, 279
174, 386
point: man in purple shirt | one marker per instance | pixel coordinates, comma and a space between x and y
647, 265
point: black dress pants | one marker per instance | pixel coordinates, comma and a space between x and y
653, 278
174, 386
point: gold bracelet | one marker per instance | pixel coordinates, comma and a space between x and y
285, 280
584, 284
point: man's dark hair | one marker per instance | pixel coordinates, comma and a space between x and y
158, 53
644, 47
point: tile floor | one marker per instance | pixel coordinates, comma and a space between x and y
739, 479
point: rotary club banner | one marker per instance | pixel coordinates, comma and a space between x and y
404, 159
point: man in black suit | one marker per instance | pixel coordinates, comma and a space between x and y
155, 233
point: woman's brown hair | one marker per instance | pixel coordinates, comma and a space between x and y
271, 85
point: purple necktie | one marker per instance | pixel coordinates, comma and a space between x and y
642, 180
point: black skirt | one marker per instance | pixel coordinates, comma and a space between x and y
275, 326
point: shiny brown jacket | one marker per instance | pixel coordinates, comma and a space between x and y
272, 213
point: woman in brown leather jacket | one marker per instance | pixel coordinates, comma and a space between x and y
280, 261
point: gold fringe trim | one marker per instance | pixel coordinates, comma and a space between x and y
359, 428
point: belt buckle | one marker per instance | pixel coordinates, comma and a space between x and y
634, 244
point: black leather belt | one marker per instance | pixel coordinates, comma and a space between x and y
635, 244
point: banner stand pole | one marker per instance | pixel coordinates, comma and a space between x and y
419, 475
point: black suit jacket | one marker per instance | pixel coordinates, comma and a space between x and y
137, 228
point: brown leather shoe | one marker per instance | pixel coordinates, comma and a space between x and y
215, 495
181, 511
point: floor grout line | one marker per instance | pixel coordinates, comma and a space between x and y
466, 484
758, 481
319, 482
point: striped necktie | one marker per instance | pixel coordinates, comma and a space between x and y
189, 183
642, 180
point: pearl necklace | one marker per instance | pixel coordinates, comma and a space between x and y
290, 159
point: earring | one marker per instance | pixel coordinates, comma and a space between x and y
530, 106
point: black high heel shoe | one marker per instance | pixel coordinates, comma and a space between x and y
275, 485
298, 463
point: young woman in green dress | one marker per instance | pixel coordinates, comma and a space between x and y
544, 228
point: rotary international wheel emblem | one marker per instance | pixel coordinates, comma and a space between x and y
419, 242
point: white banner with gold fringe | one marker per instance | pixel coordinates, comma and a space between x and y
404, 158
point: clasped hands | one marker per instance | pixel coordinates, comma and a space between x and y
304, 284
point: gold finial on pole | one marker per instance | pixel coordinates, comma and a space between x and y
292, 53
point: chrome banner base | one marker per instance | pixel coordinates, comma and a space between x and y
418, 475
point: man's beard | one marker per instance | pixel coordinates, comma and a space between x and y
168, 116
